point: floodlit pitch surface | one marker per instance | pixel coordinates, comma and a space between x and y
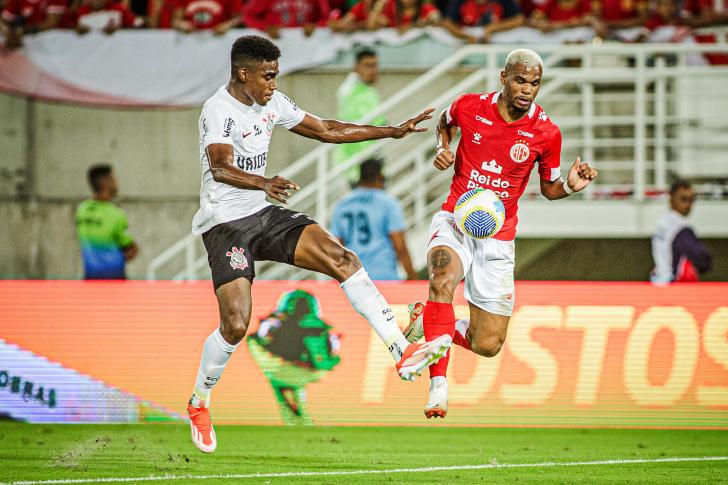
434, 454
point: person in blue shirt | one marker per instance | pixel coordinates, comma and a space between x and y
370, 222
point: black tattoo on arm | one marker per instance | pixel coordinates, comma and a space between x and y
440, 258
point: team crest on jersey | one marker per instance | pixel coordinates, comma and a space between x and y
520, 151
270, 122
237, 258
542, 116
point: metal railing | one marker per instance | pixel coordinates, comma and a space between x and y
650, 78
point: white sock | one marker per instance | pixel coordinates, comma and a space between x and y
215, 355
461, 327
366, 299
438, 381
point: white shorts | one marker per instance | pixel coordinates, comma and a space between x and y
488, 264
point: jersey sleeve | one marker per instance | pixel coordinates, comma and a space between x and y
550, 162
395, 217
217, 124
452, 112
289, 114
122, 238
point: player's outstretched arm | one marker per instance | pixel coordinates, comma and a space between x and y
222, 166
579, 177
335, 131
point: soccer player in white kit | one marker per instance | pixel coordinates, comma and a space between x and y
503, 136
239, 226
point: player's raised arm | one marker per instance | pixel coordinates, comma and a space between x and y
222, 167
335, 131
444, 133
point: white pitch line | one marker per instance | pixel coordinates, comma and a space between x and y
366, 472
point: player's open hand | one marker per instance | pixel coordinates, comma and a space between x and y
580, 175
278, 188
410, 126
444, 158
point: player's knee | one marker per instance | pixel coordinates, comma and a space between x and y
345, 263
234, 325
487, 346
442, 286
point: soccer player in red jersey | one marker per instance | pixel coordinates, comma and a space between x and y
503, 135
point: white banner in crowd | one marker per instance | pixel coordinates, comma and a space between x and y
167, 68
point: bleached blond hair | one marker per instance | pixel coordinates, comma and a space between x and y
526, 57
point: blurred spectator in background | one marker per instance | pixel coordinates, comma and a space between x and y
216, 15
403, 14
101, 228
618, 14
104, 15
356, 18
665, 12
561, 14
493, 15
20, 17
370, 222
356, 98
270, 15
678, 253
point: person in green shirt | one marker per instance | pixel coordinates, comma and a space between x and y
106, 245
356, 98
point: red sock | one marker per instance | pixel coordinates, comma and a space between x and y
458, 339
438, 319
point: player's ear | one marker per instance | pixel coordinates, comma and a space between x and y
242, 74
503, 77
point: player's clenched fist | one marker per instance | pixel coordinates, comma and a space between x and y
277, 188
443, 159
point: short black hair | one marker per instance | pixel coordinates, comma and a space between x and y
252, 48
370, 170
96, 173
366, 52
679, 184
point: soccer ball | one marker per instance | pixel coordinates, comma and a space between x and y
479, 213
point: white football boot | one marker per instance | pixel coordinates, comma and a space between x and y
417, 357
437, 403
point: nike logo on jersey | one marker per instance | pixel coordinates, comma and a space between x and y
245, 135
434, 235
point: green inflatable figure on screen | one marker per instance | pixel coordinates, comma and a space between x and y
294, 347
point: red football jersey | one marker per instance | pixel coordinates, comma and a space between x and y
563, 10
499, 156
32, 12
613, 10
260, 14
390, 12
116, 14
206, 14
472, 13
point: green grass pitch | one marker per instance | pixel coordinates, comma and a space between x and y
164, 453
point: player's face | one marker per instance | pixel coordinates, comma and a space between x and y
521, 85
368, 69
682, 201
260, 81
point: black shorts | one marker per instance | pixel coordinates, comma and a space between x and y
269, 235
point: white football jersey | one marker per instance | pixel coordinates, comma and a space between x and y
248, 129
